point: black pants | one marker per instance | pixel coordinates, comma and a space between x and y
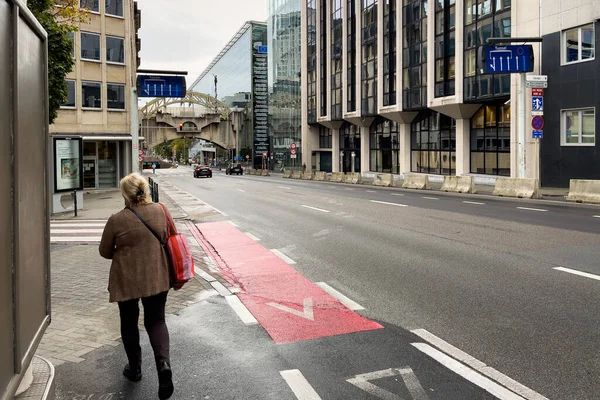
154, 322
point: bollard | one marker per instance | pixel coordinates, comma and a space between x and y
75, 202
156, 192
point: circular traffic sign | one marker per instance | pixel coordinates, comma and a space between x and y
140, 159
293, 145
537, 122
141, 152
293, 151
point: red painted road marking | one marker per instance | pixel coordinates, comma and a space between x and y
288, 306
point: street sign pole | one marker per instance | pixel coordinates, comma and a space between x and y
521, 127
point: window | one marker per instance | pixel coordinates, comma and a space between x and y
90, 46
311, 60
490, 140
384, 144
349, 144
71, 36
323, 58
336, 60
114, 7
578, 127
91, 95
414, 60
369, 57
71, 95
351, 45
578, 44
92, 5
433, 144
324, 138
115, 49
115, 96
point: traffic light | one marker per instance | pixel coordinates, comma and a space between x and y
180, 127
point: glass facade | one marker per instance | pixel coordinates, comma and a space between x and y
414, 54
336, 59
285, 114
490, 140
433, 144
311, 17
349, 144
445, 13
369, 57
389, 52
484, 19
351, 55
323, 56
384, 144
233, 70
100, 165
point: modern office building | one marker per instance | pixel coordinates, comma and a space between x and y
99, 107
400, 87
238, 77
285, 114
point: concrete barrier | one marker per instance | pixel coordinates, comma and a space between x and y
414, 181
297, 175
386, 180
584, 191
337, 177
526, 188
320, 176
287, 173
307, 176
265, 172
458, 184
353, 177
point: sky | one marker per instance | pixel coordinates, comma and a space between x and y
186, 35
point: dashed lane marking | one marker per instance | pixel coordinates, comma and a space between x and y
431, 198
580, 273
532, 209
389, 204
240, 309
232, 223
315, 208
371, 191
596, 216
283, 256
474, 202
251, 236
299, 385
284, 187
241, 190
396, 194
337, 295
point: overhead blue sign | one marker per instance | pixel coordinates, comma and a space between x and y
537, 103
161, 86
263, 49
508, 59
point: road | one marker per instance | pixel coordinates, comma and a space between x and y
512, 283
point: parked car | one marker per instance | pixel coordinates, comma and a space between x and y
234, 169
202, 171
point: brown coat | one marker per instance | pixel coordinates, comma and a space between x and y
139, 263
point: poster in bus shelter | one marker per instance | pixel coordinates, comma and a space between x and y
68, 175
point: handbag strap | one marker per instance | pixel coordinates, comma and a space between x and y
171, 229
146, 224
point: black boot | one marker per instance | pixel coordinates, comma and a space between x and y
133, 374
165, 381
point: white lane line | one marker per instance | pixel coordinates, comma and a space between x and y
532, 209
251, 236
340, 297
57, 239
596, 216
299, 385
389, 204
241, 190
575, 272
218, 286
241, 310
396, 194
315, 208
371, 191
349, 189
54, 224
76, 231
474, 377
478, 365
283, 256
431, 198
474, 202
233, 223
284, 187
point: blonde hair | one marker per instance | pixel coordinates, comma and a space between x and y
135, 189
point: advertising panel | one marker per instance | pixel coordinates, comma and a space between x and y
68, 161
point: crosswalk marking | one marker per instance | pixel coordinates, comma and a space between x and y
76, 231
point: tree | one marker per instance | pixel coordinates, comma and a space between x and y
60, 45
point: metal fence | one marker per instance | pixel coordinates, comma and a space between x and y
24, 198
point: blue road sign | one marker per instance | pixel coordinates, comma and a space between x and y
537, 134
263, 49
537, 103
508, 59
161, 86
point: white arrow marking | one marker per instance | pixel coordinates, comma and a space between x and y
517, 63
501, 65
493, 64
306, 313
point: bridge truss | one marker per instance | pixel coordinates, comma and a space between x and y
211, 104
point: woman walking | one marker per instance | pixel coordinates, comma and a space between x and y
140, 270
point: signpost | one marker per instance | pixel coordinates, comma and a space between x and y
536, 81
508, 59
161, 86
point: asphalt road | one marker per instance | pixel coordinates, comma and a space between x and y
476, 271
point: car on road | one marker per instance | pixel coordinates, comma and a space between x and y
202, 171
234, 169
